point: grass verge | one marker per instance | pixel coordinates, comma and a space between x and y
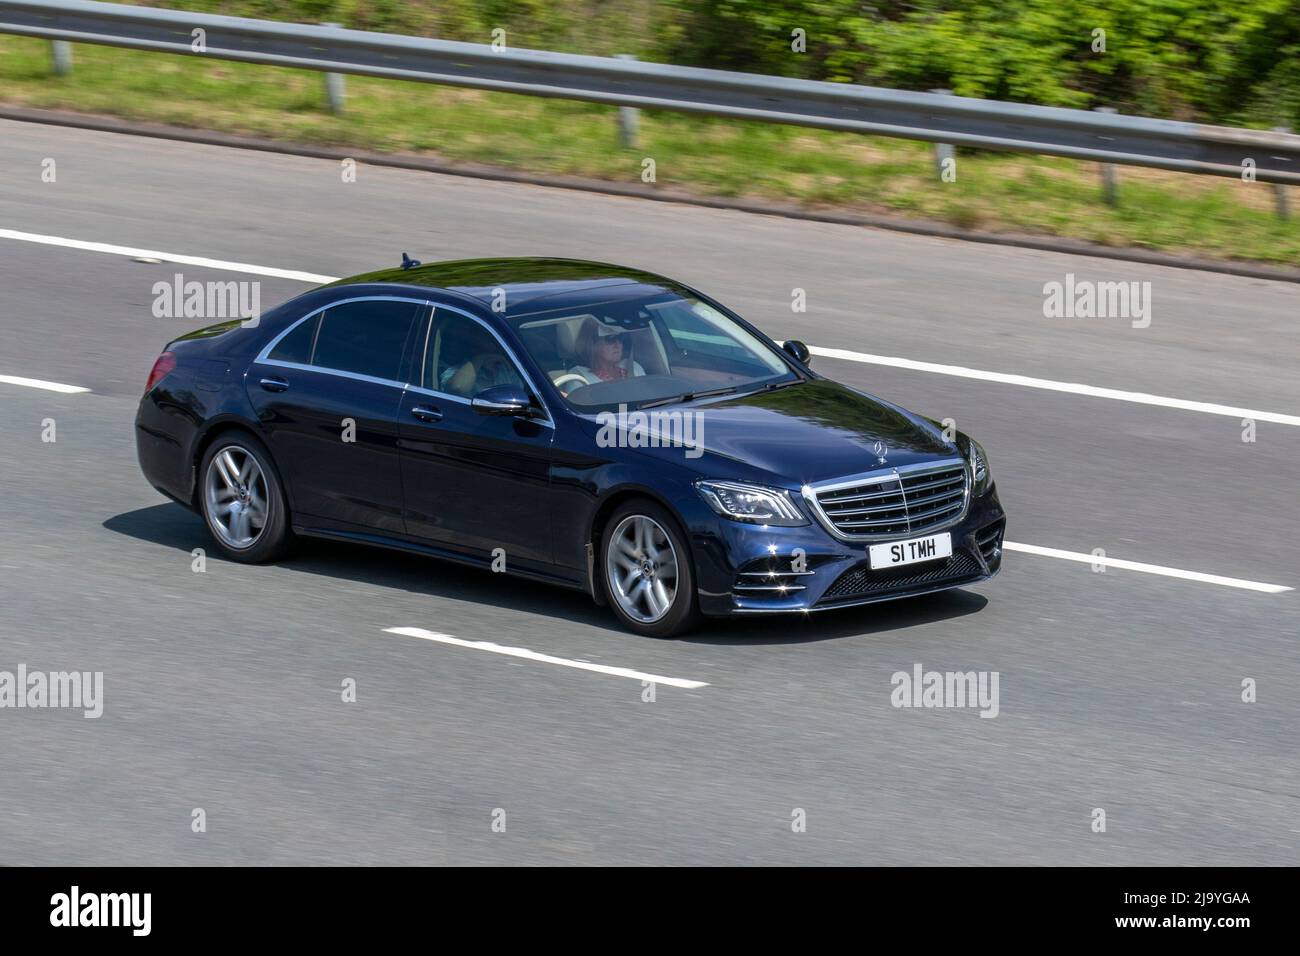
1198, 215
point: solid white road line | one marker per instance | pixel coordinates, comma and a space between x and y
1073, 388
199, 261
958, 371
526, 654
37, 383
1146, 568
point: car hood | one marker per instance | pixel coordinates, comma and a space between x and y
804, 433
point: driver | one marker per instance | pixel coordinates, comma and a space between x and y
603, 348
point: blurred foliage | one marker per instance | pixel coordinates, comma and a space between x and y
1219, 61
1207, 60
600, 27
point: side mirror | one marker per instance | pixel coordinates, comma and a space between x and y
502, 400
798, 351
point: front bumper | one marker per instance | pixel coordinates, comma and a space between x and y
743, 569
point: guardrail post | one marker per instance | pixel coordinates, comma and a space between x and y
628, 117
1279, 190
62, 52
943, 151
1109, 186
335, 91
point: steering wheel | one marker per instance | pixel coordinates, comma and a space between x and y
559, 380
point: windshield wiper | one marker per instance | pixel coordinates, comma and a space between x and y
773, 385
688, 397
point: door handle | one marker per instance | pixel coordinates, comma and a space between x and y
274, 384
427, 413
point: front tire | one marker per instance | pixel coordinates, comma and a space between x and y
647, 572
242, 499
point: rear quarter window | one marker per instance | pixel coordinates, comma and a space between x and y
296, 346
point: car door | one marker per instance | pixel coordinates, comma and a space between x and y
473, 483
328, 391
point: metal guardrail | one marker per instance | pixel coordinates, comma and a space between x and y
1079, 134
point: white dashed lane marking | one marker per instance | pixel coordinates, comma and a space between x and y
38, 383
1146, 568
526, 654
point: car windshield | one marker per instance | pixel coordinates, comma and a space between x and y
647, 351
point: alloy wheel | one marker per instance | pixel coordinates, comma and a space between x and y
641, 569
236, 495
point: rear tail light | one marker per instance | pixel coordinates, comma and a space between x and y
161, 368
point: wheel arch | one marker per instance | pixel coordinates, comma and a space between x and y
600, 518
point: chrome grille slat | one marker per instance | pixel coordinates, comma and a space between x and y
914, 503
841, 499
933, 512
880, 523
878, 509
932, 484
911, 500
915, 525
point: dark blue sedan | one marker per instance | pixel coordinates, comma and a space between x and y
584, 424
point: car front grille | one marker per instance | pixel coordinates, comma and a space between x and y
860, 580
901, 502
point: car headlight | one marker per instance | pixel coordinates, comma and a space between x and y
979, 468
751, 503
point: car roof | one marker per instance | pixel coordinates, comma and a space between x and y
530, 284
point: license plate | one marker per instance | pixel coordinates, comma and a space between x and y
912, 551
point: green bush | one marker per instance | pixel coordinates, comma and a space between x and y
1210, 60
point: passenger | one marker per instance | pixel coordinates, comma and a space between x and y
482, 371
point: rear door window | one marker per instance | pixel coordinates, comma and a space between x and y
366, 337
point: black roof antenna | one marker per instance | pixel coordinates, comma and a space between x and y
408, 262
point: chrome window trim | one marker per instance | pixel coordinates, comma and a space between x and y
548, 421
263, 356
264, 359
460, 400
336, 372
810, 494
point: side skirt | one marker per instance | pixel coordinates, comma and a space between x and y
412, 547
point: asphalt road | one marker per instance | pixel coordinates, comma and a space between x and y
222, 690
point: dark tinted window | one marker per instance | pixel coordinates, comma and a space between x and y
296, 346
364, 337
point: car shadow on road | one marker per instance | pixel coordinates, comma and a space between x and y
174, 526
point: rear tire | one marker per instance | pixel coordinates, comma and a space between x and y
242, 499
646, 570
